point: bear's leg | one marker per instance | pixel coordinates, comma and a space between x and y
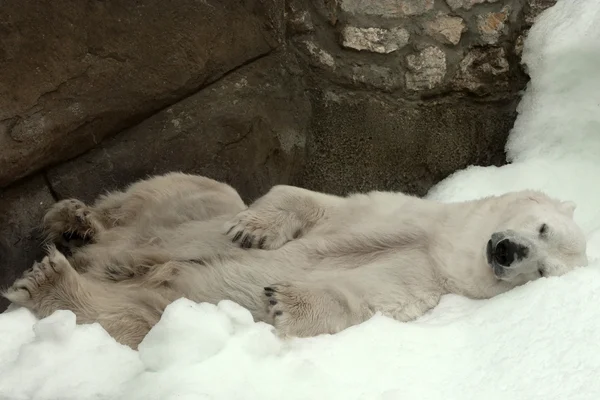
72, 223
309, 309
189, 197
283, 214
126, 313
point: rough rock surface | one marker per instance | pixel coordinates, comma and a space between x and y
481, 72
387, 8
440, 45
492, 25
75, 72
21, 211
445, 28
362, 141
467, 4
248, 129
426, 69
535, 8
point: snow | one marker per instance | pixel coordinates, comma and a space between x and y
539, 341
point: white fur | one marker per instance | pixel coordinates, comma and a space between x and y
327, 262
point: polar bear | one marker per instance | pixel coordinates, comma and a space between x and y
308, 263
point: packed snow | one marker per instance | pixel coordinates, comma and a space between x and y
539, 341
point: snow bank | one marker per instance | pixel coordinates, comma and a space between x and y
539, 341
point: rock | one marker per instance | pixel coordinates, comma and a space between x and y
535, 8
351, 72
483, 70
75, 72
492, 25
365, 141
22, 207
377, 40
299, 20
248, 129
318, 56
520, 43
466, 4
445, 29
375, 77
387, 8
427, 69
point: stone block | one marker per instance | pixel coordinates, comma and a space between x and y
426, 69
376, 40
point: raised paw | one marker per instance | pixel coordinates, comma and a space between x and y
38, 281
70, 223
263, 230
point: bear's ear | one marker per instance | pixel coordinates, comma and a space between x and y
568, 207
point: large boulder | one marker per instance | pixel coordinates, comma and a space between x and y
248, 129
73, 72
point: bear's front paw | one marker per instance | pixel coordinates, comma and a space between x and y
263, 230
38, 281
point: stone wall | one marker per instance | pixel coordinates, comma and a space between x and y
405, 92
333, 95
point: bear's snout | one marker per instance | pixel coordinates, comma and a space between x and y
503, 252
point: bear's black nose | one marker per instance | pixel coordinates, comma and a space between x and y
503, 253
506, 252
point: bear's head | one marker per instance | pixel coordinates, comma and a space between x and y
537, 237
